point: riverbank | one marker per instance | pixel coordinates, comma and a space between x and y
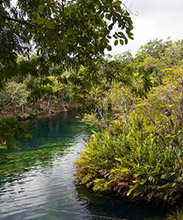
37, 181
38, 110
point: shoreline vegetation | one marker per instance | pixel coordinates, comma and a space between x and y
52, 54
136, 104
37, 112
137, 152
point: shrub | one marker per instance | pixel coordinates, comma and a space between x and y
132, 161
140, 154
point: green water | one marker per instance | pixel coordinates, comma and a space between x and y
37, 182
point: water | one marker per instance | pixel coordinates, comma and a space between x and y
37, 182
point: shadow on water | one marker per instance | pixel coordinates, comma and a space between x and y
37, 182
112, 205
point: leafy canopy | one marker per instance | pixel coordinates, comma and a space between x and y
68, 33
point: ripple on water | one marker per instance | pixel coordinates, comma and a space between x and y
39, 182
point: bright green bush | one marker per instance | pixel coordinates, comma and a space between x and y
140, 155
132, 161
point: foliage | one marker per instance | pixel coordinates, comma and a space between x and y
177, 215
63, 33
42, 39
133, 162
138, 151
22, 99
10, 128
13, 95
154, 48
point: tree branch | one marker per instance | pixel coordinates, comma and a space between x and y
13, 19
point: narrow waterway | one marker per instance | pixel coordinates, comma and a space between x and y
37, 182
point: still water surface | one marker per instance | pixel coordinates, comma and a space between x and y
37, 181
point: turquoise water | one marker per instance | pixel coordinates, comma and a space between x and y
37, 181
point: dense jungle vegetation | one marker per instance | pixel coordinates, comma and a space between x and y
52, 58
42, 40
137, 151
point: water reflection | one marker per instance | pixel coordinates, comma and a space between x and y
38, 182
111, 205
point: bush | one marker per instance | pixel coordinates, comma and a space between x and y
132, 161
140, 155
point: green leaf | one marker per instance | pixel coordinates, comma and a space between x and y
118, 3
130, 191
50, 25
36, 15
41, 8
116, 42
111, 26
69, 30
41, 21
121, 42
109, 48
97, 6
37, 36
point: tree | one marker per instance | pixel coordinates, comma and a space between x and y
64, 34
138, 151
154, 48
68, 33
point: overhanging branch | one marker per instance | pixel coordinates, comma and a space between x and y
13, 19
